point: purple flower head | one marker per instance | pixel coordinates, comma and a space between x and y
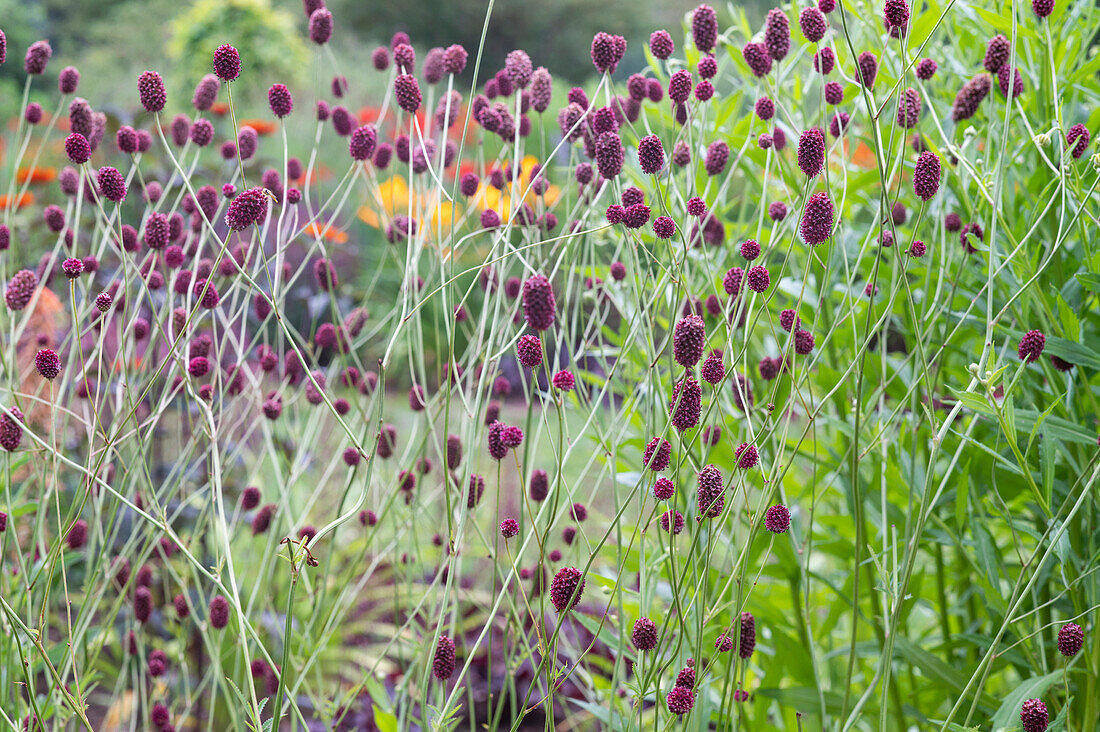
433, 66
1031, 346
111, 184
909, 108
686, 403
454, 59
803, 342
72, 267
817, 219
47, 363
660, 44
811, 152
972, 229
407, 92
279, 100
11, 433
563, 381
206, 93
509, 528
679, 86
926, 175
663, 489
926, 69
704, 28
713, 370
247, 208
38, 55
895, 14
538, 303
157, 232
227, 62
566, 588
1070, 639
867, 69
710, 492
664, 227
1077, 139
681, 154
657, 454
777, 34
970, 97
764, 108
997, 50
443, 662
202, 132
33, 113
529, 351
219, 612
1034, 716
362, 143
380, 58
748, 635
77, 148
757, 57
651, 154
777, 519
839, 123
824, 60
644, 634
758, 278
151, 91
404, 58
320, 26
717, 155
681, 699
68, 80
813, 25
1016, 81
247, 141
747, 456
689, 341
1042, 8
609, 154
607, 51
707, 68
518, 67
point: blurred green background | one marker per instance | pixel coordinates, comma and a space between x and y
112, 41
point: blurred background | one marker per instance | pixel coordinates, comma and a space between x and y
112, 41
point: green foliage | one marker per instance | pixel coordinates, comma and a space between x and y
270, 41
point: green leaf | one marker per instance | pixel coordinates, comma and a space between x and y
385, 721
961, 491
1089, 280
1046, 466
973, 401
804, 699
1038, 422
1075, 353
1070, 323
1030, 689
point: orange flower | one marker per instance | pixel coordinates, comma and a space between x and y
220, 108
367, 115
262, 126
27, 199
329, 232
863, 156
36, 175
